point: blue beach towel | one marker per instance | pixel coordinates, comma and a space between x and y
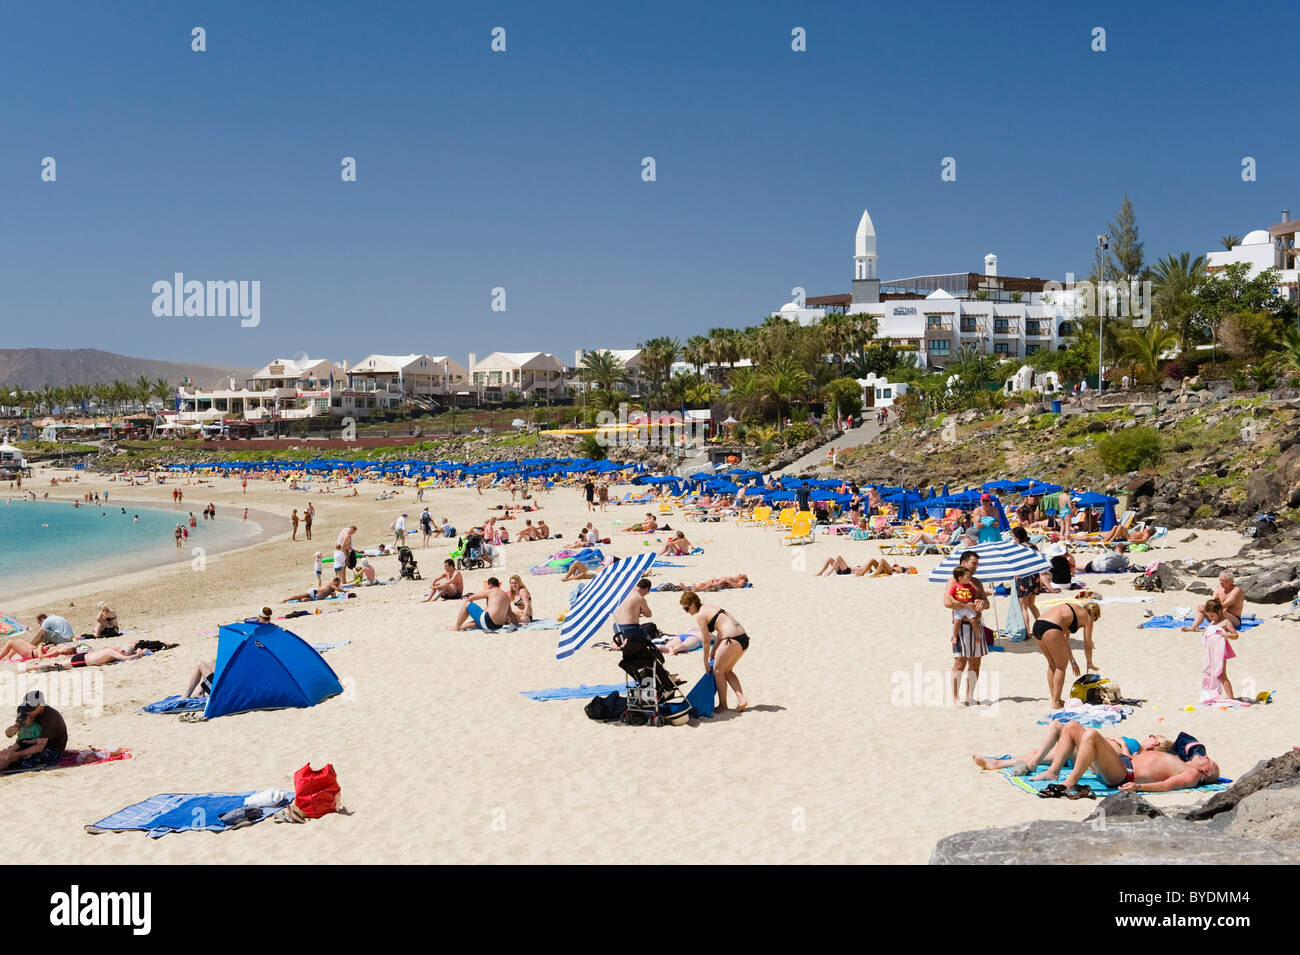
176, 812
175, 704
1092, 781
574, 692
1166, 622
703, 695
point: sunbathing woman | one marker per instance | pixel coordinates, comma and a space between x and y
21, 649
682, 644
645, 527
90, 658
838, 565
879, 567
577, 571
1120, 533
1050, 632
521, 601
106, 621
722, 655
738, 582
316, 593
1060, 746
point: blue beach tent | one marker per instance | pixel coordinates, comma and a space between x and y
264, 667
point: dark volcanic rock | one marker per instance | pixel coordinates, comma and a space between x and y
1274, 586
1283, 769
1124, 805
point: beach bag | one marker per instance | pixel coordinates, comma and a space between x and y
1104, 694
316, 791
1148, 582
606, 708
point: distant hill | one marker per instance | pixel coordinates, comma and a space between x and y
37, 367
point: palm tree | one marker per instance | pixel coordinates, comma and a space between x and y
603, 369
1144, 347
702, 394
1173, 281
1288, 353
743, 393
142, 389
838, 329
781, 381
657, 357
696, 352
1230, 240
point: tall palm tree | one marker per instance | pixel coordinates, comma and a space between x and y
1143, 347
696, 352
839, 331
1230, 240
743, 393
782, 381
142, 391
1173, 282
657, 357
603, 369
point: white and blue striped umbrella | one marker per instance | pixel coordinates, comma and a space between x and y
999, 561
599, 599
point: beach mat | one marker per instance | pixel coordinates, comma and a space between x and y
176, 812
582, 692
1093, 782
1092, 716
545, 623
1168, 622
78, 757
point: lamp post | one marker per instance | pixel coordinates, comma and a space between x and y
1103, 242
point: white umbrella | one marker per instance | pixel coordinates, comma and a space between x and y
999, 561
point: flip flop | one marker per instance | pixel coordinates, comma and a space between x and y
1051, 791
1080, 792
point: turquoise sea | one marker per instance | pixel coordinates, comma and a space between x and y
47, 544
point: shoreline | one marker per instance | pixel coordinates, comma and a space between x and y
130, 571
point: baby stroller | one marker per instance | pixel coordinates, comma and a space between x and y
410, 567
471, 553
653, 696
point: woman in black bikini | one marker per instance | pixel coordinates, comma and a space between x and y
723, 656
1050, 632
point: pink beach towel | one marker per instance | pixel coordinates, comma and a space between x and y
1217, 654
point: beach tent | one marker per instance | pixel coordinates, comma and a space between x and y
264, 667
599, 599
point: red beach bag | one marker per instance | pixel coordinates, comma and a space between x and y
316, 791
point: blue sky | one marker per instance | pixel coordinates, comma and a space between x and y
522, 169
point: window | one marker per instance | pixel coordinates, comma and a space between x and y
940, 346
1030, 349
1002, 348
1067, 328
1031, 327
934, 321
969, 324
1001, 326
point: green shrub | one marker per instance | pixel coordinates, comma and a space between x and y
1203, 512
798, 433
590, 447
1130, 449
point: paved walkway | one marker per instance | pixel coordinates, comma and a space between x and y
853, 438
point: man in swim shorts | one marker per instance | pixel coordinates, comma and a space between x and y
627, 618
492, 616
1232, 599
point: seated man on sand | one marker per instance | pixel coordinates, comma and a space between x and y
495, 613
677, 546
530, 533
1110, 562
449, 585
1230, 596
200, 679
647, 526
316, 593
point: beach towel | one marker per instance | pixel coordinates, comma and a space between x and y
10, 626
1092, 715
78, 757
582, 692
179, 812
543, 623
1092, 781
1168, 622
175, 704
322, 647
703, 694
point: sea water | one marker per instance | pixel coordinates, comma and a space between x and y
48, 544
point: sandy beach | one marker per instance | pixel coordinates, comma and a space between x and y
442, 760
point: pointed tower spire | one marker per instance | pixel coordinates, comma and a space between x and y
866, 286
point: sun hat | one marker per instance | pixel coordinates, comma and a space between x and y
1055, 550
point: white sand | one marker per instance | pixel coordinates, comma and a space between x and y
442, 760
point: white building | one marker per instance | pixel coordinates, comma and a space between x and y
530, 375
935, 315
427, 380
636, 382
1271, 248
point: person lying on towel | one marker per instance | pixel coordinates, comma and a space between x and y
493, 616
1147, 771
316, 593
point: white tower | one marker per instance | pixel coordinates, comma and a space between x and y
866, 286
